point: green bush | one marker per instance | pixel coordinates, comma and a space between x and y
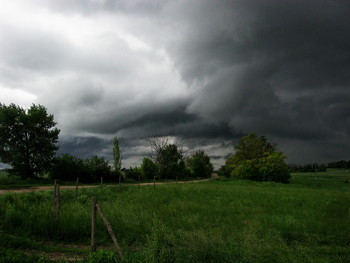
68, 167
134, 173
245, 170
273, 168
257, 159
98, 167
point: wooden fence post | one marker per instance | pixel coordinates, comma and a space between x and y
54, 192
120, 178
93, 225
76, 188
110, 231
177, 178
56, 201
154, 181
139, 181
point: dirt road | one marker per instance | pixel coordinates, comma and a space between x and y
46, 188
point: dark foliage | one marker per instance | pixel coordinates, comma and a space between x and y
340, 164
28, 139
149, 168
68, 168
133, 173
307, 168
257, 159
200, 165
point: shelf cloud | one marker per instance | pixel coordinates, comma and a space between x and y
203, 72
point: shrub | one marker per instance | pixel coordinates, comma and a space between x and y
133, 173
68, 167
98, 167
257, 159
273, 168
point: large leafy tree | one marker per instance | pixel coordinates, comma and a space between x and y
28, 139
170, 161
169, 157
200, 165
252, 147
257, 159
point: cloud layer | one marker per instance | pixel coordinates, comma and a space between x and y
205, 72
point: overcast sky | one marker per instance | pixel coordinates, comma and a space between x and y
204, 72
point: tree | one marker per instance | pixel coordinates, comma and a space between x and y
67, 167
28, 139
251, 147
200, 165
169, 157
98, 167
149, 168
133, 173
116, 155
257, 159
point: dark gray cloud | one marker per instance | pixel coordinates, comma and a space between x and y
276, 68
203, 72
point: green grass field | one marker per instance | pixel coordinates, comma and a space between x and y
217, 221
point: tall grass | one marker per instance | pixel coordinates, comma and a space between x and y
218, 221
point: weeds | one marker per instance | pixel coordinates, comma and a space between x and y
218, 221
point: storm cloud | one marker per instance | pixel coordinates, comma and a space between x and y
203, 72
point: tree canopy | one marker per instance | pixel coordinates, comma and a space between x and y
28, 139
117, 158
149, 168
200, 165
169, 157
68, 167
257, 159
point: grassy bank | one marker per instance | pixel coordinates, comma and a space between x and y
217, 221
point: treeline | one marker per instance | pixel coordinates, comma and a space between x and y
307, 168
340, 164
315, 167
68, 167
29, 141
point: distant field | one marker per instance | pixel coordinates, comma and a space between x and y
217, 221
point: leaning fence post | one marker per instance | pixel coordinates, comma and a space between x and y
93, 225
110, 231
